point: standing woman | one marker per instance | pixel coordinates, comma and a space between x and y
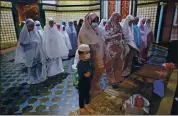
102, 27
75, 25
55, 48
39, 28
149, 35
128, 32
89, 34
73, 38
30, 43
79, 26
66, 38
114, 48
137, 36
143, 44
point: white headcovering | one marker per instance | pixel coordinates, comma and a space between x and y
27, 38
147, 27
54, 44
140, 22
127, 30
66, 38
38, 25
101, 25
84, 48
71, 28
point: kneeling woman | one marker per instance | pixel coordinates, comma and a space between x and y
30, 46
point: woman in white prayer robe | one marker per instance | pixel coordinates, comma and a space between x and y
102, 27
55, 48
65, 37
39, 28
30, 44
128, 32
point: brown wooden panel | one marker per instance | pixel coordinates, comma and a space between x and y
124, 8
167, 21
111, 7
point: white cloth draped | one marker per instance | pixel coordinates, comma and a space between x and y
55, 49
29, 51
142, 31
54, 44
66, 37
102, 28
147, 29
38, 25
128, 31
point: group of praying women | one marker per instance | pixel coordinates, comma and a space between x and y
42, 51
113, 45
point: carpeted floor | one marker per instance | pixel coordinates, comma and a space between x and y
58, 95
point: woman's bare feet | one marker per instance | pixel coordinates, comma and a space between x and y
83, 111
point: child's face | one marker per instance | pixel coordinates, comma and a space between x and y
84, 56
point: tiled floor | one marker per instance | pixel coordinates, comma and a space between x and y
57, 95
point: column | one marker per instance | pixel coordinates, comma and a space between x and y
124, 8
105, 9
130, 7
176, 16
160, 22
111, 5
118, 6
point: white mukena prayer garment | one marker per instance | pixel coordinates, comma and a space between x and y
55, 48
29, 51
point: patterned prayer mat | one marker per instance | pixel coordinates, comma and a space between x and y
154, 60
105, 104
56, 95
152, 71
158, 51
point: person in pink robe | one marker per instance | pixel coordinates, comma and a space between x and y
114, 48
89, 34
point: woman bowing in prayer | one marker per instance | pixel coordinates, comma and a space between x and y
73, 38
55, 48
30, 43
102, 27
128, 32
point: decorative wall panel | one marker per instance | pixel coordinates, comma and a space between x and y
68, 13
124, 8
111, 7
67, 16
146, 1
7, 33
148, 11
